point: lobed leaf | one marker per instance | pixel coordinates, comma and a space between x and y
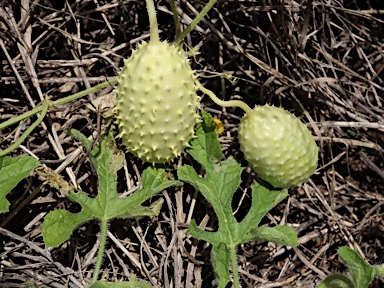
107, 160
12, 171
221, 181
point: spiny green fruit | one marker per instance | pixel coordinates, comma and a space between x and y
156, 107
278, 146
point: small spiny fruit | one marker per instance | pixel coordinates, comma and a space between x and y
156, 107
278, 146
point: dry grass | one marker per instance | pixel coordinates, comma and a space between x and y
322, 60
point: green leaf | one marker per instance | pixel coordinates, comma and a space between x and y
263, 200
220, 259
12, 171
198, 233
58, 225
218, 187
282, 235
361, 272
107, 160
205, 148
80, 137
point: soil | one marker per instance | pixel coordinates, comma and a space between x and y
321, 60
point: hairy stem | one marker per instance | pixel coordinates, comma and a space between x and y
236, 103
100, 253
235, 272
336, 278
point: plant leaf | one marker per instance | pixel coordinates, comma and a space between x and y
282, 235
58, 225
205, 147
12, 171
218, 186
361, 272
80, 137
220, 259
107, 160
263, 200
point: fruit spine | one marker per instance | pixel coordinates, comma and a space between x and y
156, 108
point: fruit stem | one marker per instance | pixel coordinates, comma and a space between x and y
153, 27
236, 103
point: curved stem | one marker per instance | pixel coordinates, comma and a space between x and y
100, 253
43, 108
230, 103
23, 136
327, 282
153, 27
61, 101
195, 22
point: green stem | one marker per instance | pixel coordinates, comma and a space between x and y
23, 136
235, 272
153, 27
195, 22
61, 101
175, 17
236, 103
100, 253
43, 108
327, 282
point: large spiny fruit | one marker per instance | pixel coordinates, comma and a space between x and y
157, 103
279, 147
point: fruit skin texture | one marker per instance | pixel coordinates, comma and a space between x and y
278, 146
156, 107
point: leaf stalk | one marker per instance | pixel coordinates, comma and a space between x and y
235, 272
100, 253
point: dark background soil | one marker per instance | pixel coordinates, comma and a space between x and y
321, 60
